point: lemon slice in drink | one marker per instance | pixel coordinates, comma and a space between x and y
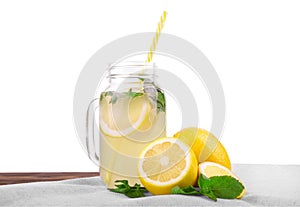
210, 169
125, 115
166, 163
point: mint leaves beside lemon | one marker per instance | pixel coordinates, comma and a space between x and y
123, 187
215, 187
221, 186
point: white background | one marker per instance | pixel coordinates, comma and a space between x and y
253, 45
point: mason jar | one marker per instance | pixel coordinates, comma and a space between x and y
132, 113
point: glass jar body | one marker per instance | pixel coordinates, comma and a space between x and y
132, 114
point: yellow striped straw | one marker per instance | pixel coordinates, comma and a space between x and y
154, 42
160, 26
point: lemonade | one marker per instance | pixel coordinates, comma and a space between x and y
128, 122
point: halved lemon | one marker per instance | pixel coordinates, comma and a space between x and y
124, 116
210, 169
166, 163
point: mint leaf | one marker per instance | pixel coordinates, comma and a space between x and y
161, 102
104, 94
225, 186
134, 94
113, 96
189, 190
220, 186
137, 94
204, 185
131, 192
108, 93
101, 97
210, 195
113, 99
136, 191
121, 188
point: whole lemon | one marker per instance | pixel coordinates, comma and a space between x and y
205, 146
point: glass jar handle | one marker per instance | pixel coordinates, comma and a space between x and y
92, 132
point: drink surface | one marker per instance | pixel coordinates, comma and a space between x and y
128, 122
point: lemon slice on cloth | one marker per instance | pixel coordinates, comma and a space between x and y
210, 169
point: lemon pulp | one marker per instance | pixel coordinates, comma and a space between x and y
165, 163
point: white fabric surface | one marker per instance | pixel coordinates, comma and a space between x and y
267, 185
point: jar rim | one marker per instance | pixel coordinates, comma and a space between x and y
132, 69
131, 64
